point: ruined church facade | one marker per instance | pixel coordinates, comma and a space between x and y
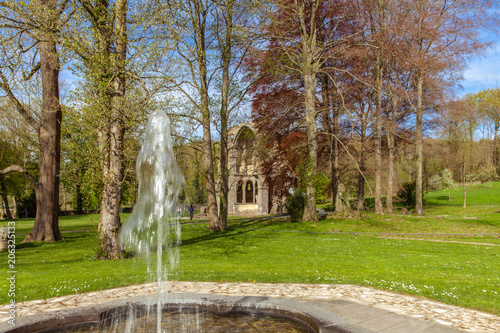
249, 193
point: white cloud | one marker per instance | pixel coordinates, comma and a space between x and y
483, 73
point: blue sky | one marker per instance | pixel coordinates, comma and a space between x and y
483, 73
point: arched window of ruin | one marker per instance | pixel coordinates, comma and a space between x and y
244, 151
249, 192
256, 191
239, 192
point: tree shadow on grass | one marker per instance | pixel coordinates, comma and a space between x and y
220, 244
21, 246
263, 223
215, 235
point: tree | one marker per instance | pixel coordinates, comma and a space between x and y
446, 33
378, 29
10, 184
192, 41
104, 64
303, 35
446, 181
232, 23
31, 30
276, 106
225, 41
459, 123
17, 146
487, 103
190, 157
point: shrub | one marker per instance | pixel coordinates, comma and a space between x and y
406, 195
434, 182
322, 183
295, 205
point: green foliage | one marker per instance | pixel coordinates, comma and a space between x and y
295, 205
406, 195
27, 200
368, 203
444, 179
81, 173
483, 176
190, 159
447, 179
322, 183
13, 152
434, 182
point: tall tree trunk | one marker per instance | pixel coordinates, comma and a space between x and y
224, 170
362, 163
391, 121
226, 53
464, 183
310, 83
496, 148
109, 219
378, 137
78, 195
419, 146
310, 67
330, 124
207, 165
361, 178
199, 22
46, 225
335, 160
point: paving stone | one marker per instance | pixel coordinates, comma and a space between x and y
408, 325
364, 313
441, 329
383, 322
340, 307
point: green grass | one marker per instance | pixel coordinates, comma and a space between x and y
487, 194
407, 266
331, 251
66, 223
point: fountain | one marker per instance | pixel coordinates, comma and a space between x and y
152, 226
152, 229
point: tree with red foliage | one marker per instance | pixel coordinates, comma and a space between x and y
276, 108
303, 36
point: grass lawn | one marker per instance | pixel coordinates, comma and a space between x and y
401, 253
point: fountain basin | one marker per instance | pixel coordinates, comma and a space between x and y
316, 319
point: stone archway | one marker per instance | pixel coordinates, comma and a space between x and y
247, 195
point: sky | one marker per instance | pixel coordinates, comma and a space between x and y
482, 73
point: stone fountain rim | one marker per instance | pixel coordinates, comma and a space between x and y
318, 319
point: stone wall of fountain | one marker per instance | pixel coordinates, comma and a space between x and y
310, 317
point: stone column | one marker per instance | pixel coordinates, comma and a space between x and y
263, 200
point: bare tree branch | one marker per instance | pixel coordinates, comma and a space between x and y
20, 108
17, 168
